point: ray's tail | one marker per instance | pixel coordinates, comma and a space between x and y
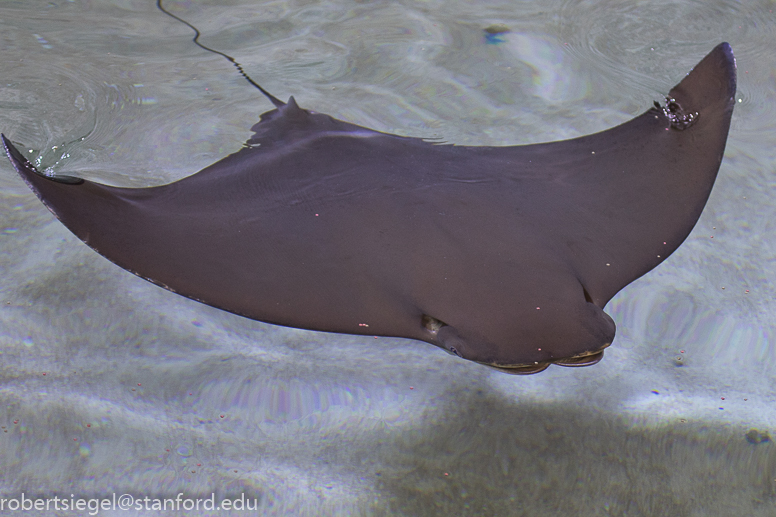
277, 102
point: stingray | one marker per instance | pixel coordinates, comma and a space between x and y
501, 255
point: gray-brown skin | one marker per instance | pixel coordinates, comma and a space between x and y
502, 255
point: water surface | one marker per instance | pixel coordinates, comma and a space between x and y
108, 383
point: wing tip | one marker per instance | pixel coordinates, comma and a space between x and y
712, 82
728, 63
28, 171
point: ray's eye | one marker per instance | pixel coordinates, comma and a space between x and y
453, 350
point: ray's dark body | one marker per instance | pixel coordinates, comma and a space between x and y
504, 255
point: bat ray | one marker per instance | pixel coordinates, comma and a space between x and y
501, 255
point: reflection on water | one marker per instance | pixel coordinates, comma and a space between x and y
109, 383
